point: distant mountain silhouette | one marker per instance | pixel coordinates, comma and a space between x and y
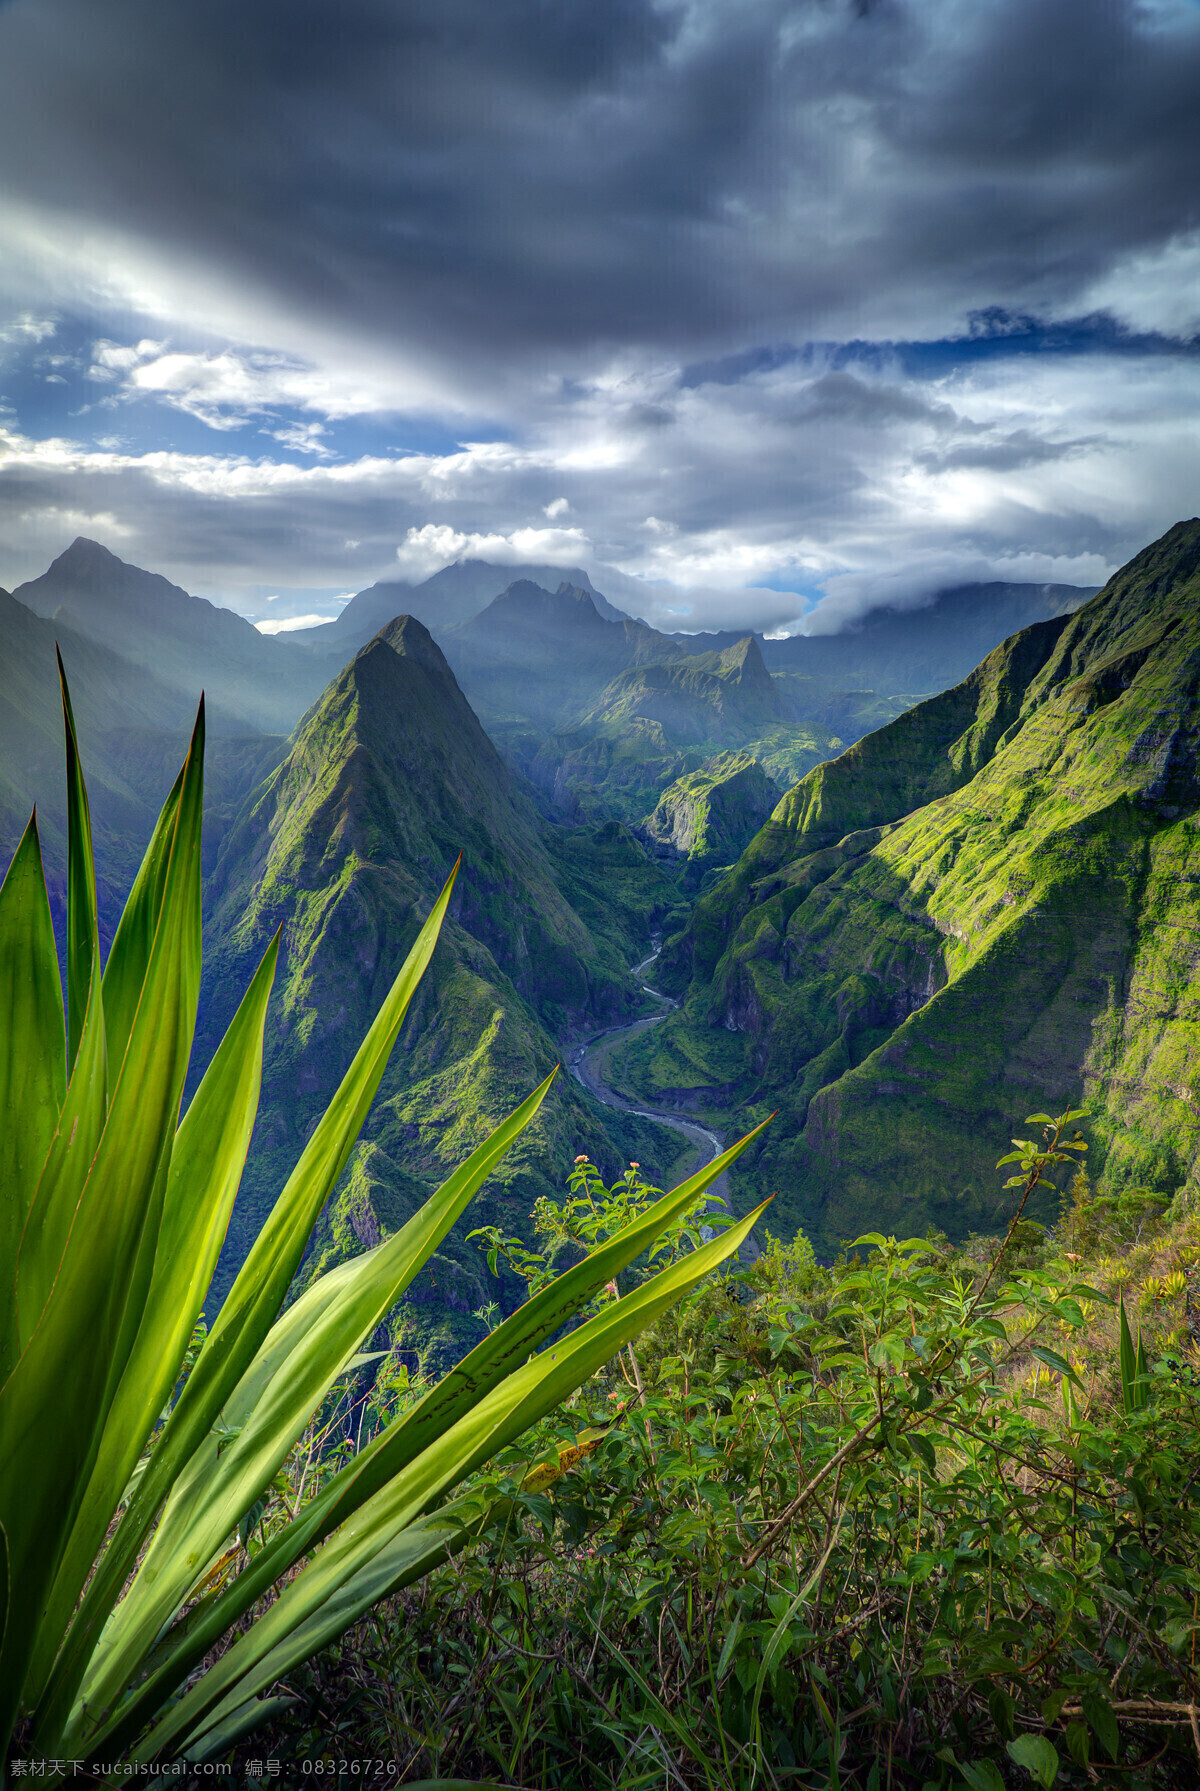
188, 643
442, 601
911, 651
545, 655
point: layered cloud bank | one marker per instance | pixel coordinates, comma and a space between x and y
763, 307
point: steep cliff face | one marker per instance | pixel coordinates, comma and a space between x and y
661, 720
388, 778
991, 904
710, 815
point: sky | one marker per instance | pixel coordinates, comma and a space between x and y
763, 311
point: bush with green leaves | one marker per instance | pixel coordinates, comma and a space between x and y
891, 1524
132, 1629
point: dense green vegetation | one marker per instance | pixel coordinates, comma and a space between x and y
710, 815
924, 1518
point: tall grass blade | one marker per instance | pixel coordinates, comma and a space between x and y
488, 1364
75, 1355
303, 1355
83, 937
125, 971
1127, 1363
255, 1298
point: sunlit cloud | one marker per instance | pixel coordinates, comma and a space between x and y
287, 623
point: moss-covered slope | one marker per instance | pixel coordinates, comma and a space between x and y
388, 778
983, 907
728, 695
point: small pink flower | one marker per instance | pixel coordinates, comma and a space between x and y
635, 1165
581, 1159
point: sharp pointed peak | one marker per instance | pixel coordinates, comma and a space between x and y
83, 548
407, 638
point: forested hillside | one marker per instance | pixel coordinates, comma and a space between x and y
992, 898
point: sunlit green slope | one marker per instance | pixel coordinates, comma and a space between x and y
991, 903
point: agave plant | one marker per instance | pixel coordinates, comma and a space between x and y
118, 1499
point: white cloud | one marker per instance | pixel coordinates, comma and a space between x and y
27, 328
425, 550
1158, 290
851, 595
807, 482
305, 438
287, 623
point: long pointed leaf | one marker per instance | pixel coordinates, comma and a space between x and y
416, 1551
33, 1061
125, 971
1128, 1364
83, 938
256, 1295
302, 1357
206, 1167
69, 1159
74, 1359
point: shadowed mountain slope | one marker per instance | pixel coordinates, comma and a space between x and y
133, 732
975, 912
541, 656
186, 642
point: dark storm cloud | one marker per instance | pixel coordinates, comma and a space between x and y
842, 397
1004, 454
534, 177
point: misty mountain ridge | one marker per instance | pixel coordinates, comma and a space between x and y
189, 644
919, 648
444, 600
537, 664
543, 656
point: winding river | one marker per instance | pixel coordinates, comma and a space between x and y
589, 1065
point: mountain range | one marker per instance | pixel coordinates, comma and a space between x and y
444, 600
987, 907
901, 935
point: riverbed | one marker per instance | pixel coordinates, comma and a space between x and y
589, 1066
